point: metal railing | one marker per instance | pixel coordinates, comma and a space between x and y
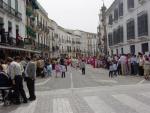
6, 40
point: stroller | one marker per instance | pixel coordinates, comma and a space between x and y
6, 91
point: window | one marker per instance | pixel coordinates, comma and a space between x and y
143, 25
122, 51
116, 14
120, 34
1, 28
1, 21
9, 3
1, 3
9, 26
141, 1
130, 4
115, 36
110, 19
130, 30
132, 49
145, 48
117, 51
16, 5
112, 52
121, 9
110, 39
17, 30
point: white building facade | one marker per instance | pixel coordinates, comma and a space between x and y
12, 27
42, 31
128, 27
13, 17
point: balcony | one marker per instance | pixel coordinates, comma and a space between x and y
6, 40
30, 32
45, 29
29, 11
6, 8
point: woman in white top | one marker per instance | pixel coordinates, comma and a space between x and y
141, 64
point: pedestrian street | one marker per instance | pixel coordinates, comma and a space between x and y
94, 92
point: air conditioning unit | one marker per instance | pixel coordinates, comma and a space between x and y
141, 1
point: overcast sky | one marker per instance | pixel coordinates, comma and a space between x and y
75, 14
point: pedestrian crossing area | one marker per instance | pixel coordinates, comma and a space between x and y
125, 103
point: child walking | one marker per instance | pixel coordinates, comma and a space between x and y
49, 70
57, 68
114, 68
111, 70
63, 69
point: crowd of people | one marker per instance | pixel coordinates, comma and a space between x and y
14, 71
125, 64
19, 69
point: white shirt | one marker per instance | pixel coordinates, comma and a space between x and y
133, 59
14, 69
114, 67
26, 70
63, 68
111, 68
123, 59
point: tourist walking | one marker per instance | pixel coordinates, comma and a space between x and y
57, 69
114, 68
63, 71
147, 68
82, 66
134, 65
111, 69
45, 71
119, 67
141, 64
49, 69
123, 61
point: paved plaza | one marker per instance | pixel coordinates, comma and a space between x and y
93, 93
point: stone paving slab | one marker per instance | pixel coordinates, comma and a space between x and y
121, 99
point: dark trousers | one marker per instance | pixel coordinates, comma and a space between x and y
31, 87
3, 94
141, 71
134, 69
18, 88
63, 75
115, 72
66, 67
119, 69
83, 71
111, 74
38, 71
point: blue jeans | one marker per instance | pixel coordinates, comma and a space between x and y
49, 73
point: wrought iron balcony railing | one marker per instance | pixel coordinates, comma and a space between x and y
6, 40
